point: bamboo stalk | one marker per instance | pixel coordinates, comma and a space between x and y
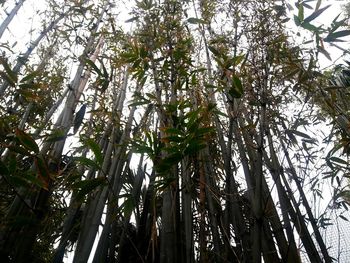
4, 25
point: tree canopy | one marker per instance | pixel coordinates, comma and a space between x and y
186, 131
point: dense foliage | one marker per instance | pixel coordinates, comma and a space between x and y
195, 131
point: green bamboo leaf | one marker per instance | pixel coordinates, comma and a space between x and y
138, 103
27, 141
297, 20
144, 52
142, 149
315, 14
299, 133
79, 117
338, 160
128, 205
168, 162
332, 36
173, 131
9, 80
87, 162
309, 27
96, 149
326, 54
343, 194
220, 113
214, 51
344, 218
236, 90
93, 65
12, 75
307, 6
105, 72
238, 59
336, 24
210, 86
301, 12
318, 4
194, 147
129, 57
29, 86
151, 96
237, 83
56, 135
173, 138
193, 20
204, 130
18, 149
30, 76
145, 4
31, 179
87, 186
19, 181
104, 85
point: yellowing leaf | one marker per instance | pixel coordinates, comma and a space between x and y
27, 141
43, 172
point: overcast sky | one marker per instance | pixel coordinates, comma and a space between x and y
25, 27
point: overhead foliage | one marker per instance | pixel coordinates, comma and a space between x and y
187, 132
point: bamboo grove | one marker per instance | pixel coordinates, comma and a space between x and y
187, 135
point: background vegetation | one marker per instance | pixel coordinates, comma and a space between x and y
195, 131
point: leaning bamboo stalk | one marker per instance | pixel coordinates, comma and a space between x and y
298, 220
296, 215
4, 25
203, 256
135, 195
289, 253
318, 236
38, 199
65, 119
168, 233
75, 206
30, 106
94, 213
222, 144
187, 217
266, 246
234, 210
226, 149
213, 211
122, 167
95, 207
33, 45
144, 231
273, 218
52, 110
258, 167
